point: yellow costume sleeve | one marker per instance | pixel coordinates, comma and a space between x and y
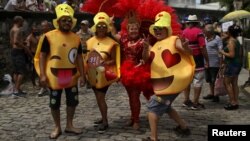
37, 55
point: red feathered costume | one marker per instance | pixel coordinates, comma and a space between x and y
135, 78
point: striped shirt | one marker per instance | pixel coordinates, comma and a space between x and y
213, 46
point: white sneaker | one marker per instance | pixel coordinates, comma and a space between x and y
43, 92
8, 90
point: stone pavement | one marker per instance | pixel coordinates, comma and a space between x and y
29, 119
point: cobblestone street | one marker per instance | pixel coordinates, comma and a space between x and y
29, 119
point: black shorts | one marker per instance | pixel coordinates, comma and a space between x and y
18, 58
71, 97
211, 74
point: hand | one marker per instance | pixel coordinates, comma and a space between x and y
141, 63
146, 44
108, 62
112, 19
82, 81
43, 81
221, 51
206, 65
184, 42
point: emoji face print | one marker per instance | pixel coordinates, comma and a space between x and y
171, 70
61, 65
100, 74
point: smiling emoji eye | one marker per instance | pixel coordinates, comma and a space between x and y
72, 55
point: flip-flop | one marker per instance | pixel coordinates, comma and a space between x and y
55, 137
72, 132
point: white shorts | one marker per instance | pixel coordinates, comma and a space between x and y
198, 78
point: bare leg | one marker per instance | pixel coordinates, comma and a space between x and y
229, 87
57, 130
211, 86
33, 77
235, 89
153, 122
69, 125
187, 93
176, 117
18, 82
100, 98
197, 92
135, 106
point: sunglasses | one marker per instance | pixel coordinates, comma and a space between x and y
69, 20
101, 26
157, 28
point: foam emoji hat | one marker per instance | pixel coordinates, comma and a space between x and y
162, 19
101, 17
64, 10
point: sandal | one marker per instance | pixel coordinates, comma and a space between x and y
182, 132
98, 122
129, 123
231, 107
73, 131
149, 139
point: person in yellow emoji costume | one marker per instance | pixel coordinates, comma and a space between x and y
59, 63
103, 64
172, 70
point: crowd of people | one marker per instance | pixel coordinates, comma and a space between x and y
100, 55
40, 5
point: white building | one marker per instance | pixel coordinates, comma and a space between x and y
195, 4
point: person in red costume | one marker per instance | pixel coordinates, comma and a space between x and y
135, 75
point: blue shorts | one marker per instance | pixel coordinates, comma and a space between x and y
161, 104
232, 70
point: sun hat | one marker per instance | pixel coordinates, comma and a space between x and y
162, 19
192, 19
64, 10
86, 22
101, 17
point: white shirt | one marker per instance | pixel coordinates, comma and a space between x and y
32, 5
10, 5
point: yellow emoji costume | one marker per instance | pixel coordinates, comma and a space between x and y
171, 70
100, 50
61, 70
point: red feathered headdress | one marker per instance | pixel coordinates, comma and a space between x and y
145, 9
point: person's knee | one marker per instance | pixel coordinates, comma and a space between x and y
72, 102
54, 105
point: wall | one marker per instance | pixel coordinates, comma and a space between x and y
30, 18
